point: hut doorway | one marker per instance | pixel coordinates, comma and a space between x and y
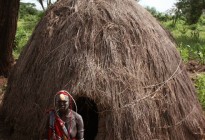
87, 108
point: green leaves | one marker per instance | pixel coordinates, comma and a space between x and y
200, 86
28, 18
190, 39
190, 9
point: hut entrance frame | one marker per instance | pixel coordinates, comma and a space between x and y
87, 108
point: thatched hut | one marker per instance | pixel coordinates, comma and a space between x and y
119, 64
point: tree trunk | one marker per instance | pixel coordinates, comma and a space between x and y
41, 3
8, 24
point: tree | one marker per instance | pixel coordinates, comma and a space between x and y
41, 3
48, 3
27, 9
8, 24
191, 9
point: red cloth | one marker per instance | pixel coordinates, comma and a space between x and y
57, 129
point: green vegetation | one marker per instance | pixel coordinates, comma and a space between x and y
28, 18
190, 39
190, 10
200, 86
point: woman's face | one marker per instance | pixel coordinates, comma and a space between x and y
62, 102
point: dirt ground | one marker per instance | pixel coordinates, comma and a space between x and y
194, 66
3, 83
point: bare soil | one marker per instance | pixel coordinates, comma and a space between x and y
193, 66
3, 83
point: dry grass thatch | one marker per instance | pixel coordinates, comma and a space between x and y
114, 53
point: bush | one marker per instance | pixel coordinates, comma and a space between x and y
200, 86
190, 40
202, 20
28, 18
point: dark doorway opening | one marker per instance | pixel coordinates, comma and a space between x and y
87, 108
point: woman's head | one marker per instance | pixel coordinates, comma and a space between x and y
62, 101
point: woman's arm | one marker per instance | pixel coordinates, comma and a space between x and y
80, 127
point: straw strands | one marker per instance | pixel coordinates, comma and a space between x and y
114, 53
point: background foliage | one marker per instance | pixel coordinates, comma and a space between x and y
200, 86
28, 18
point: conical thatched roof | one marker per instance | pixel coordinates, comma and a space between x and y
118, 63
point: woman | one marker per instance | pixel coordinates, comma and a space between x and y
64, 123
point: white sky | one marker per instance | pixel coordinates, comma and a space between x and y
160, 5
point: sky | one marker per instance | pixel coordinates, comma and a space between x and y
159, 5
